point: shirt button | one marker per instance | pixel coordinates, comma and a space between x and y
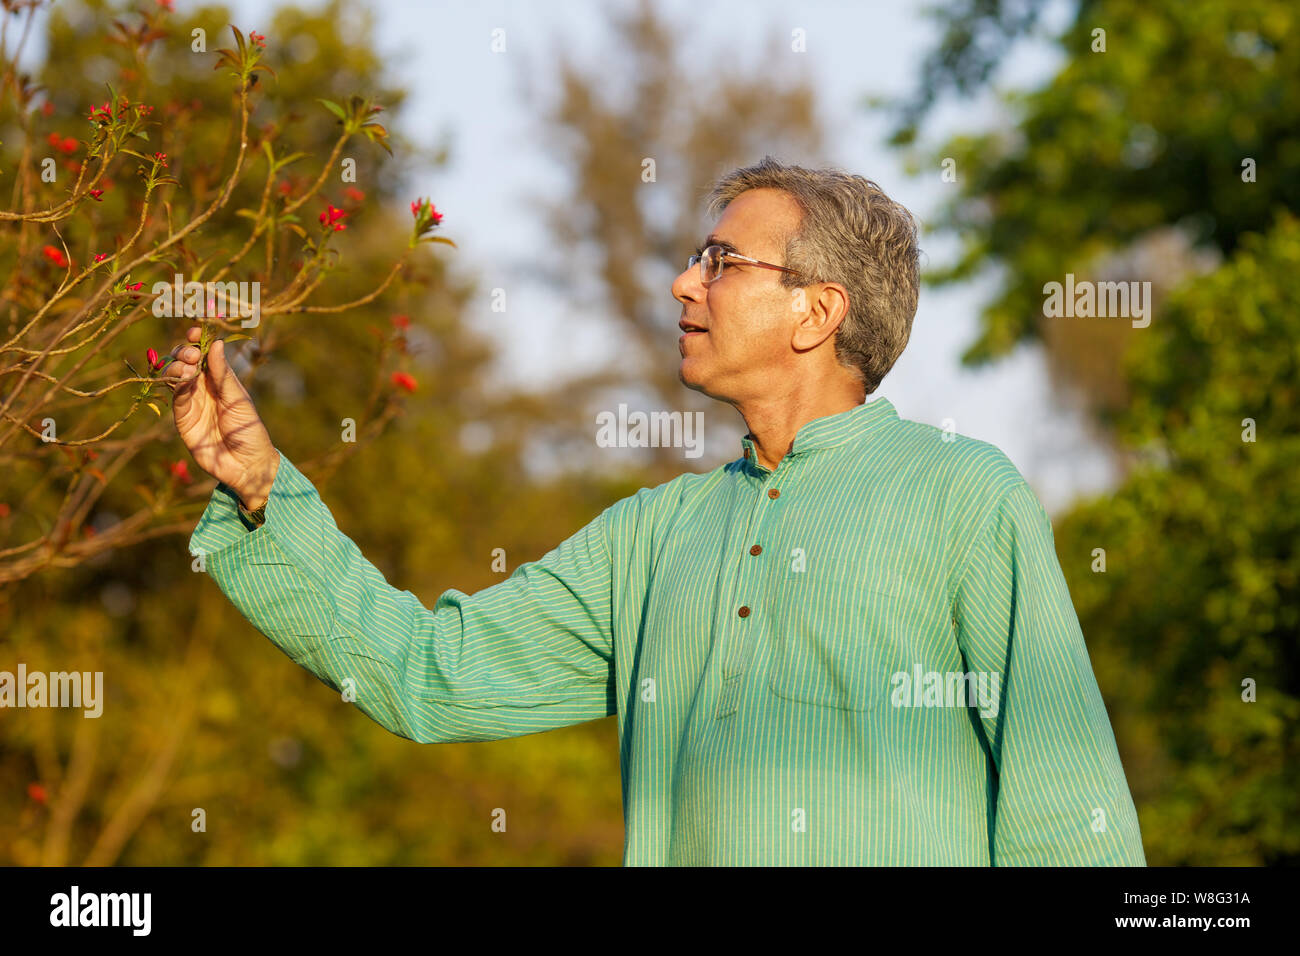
756, 549
744, 611
773, 493
746, 452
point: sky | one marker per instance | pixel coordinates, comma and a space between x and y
465, 94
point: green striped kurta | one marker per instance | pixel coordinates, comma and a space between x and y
867, 655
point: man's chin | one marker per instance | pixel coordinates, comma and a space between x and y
693, 380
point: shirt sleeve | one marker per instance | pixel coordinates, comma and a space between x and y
1061, 795
528, 654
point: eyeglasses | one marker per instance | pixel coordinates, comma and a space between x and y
713, 258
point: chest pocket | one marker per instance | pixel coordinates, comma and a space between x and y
840, 643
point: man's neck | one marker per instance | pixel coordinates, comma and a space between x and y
773, 421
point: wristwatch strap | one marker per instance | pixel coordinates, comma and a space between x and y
252, 519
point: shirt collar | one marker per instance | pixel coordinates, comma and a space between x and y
830, 431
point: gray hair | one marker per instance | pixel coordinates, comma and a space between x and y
853, 234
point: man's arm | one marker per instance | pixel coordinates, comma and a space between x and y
531, 653
528, 654
1062, 798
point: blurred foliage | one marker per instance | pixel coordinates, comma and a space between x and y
1149, 134
1128, 164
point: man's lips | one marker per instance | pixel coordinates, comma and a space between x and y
689, 327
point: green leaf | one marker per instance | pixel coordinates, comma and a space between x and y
442, 239
333, 108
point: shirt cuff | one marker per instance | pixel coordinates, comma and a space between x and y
221, 525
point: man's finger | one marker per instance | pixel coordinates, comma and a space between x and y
227, 386
180, 371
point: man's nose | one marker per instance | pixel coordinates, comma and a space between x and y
687, 287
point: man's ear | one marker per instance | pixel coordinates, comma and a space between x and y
819, 309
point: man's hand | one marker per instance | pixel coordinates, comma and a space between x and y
218, 423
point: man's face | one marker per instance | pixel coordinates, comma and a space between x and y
745, 315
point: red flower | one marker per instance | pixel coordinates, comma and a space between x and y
47, 108
101, 256
4, 510
166, 5
286, 187
354, 194
137, 287
154, 360
97, 195
331, 217
54, 139
181, 472
400, 321
421, 204
161, 158
55, 256
257, 38
403, 380
36, 792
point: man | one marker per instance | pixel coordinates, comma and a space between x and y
851, 645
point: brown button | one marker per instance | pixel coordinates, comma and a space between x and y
773, 493
746, 452
756, 549
743, 612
